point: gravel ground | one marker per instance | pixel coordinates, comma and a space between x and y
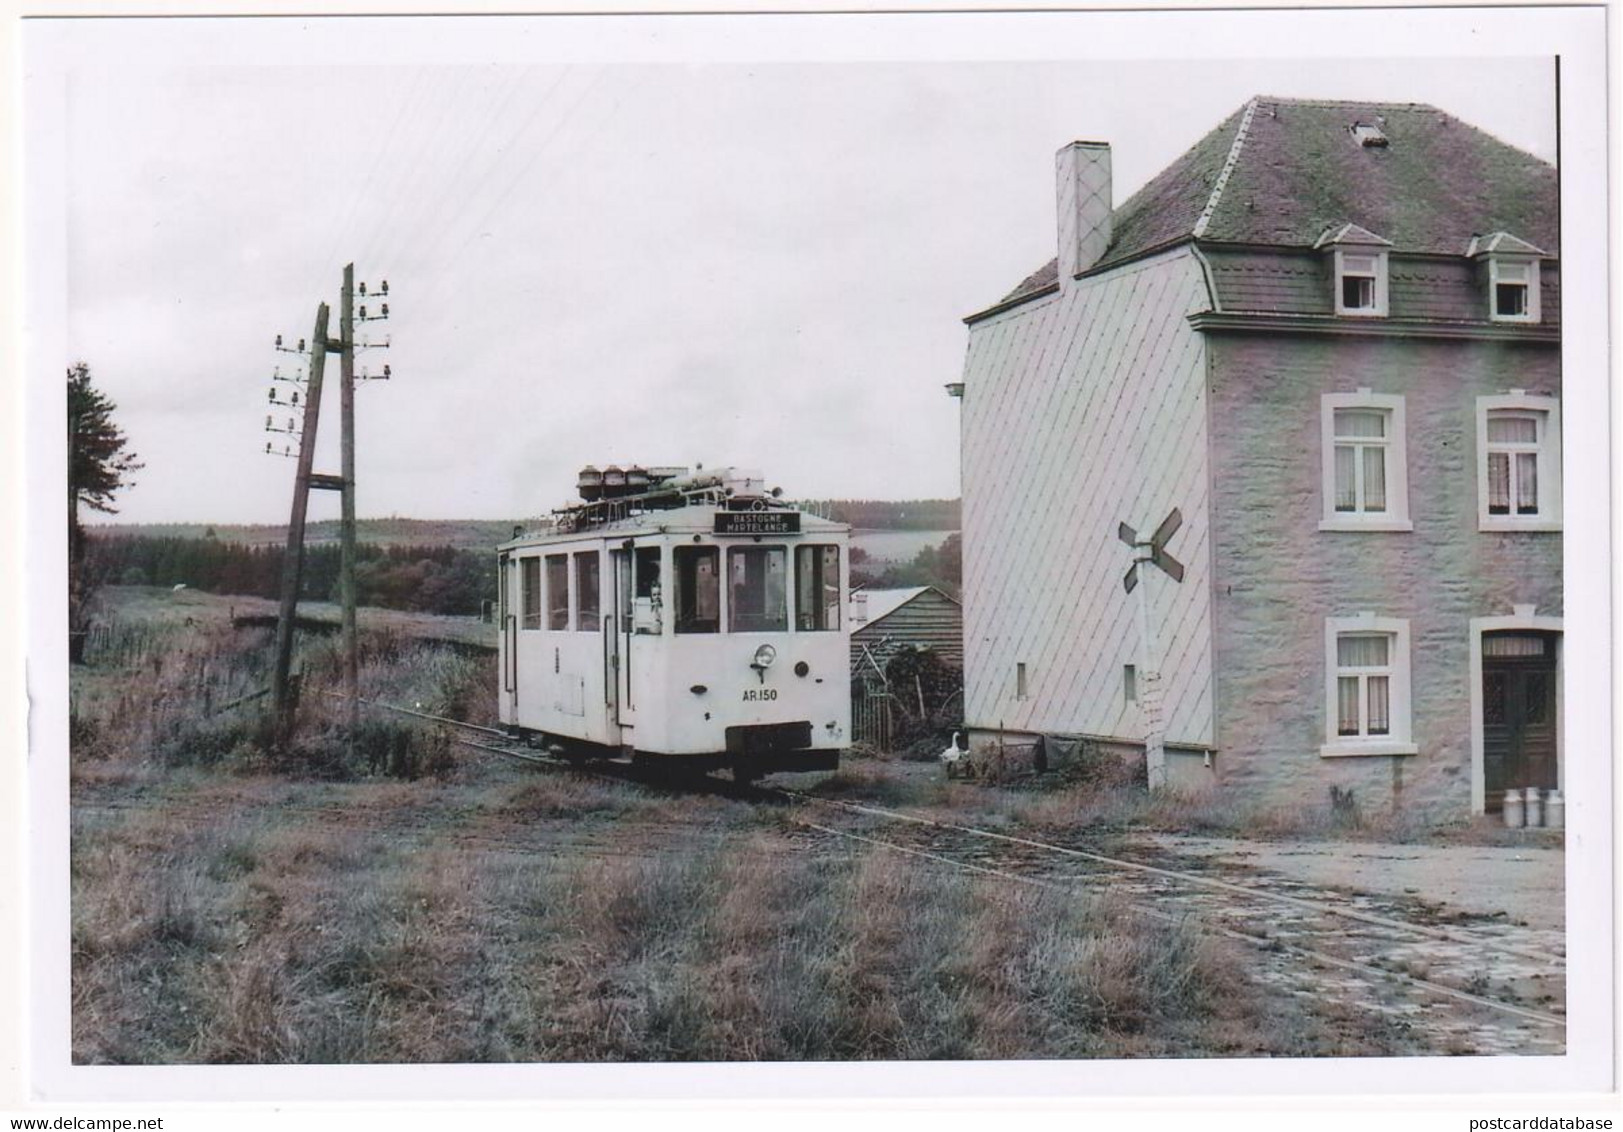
1526, 884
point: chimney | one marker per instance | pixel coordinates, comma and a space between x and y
1082, 175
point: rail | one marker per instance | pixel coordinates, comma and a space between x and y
1260, 938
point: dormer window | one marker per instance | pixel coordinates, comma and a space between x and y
1361, 282
1512, 276
1359, 276
1359, 256
1513, 289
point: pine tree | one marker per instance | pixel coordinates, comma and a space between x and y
98, 466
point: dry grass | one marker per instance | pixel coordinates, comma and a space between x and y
232, 907
242, 942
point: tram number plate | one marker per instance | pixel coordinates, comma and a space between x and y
757, 522
759, 695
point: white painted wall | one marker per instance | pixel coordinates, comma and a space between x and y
1082, 410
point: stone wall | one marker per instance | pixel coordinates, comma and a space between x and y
1276, 577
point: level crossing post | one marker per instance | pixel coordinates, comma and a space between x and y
1149, 679
1146, 553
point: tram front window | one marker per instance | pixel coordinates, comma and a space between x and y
698, 589
756, 591
817, 588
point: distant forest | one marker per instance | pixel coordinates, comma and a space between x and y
426, 579
431, 566
485, 534
890, 514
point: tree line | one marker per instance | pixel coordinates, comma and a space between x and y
891, 514
424, 579
940, 566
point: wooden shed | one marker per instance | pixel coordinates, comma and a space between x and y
884, 621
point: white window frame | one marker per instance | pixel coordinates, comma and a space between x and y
1547, 411
1396, 515
1378, 255
1497, 265
1398, 740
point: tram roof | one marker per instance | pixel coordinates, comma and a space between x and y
699, 518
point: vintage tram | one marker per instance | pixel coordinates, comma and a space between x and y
689, 621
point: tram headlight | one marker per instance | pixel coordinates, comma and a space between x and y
764, 656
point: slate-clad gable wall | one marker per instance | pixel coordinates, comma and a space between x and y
1081, 410
1278, 577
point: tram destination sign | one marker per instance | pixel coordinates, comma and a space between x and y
757, 523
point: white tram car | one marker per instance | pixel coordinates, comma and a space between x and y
693, 621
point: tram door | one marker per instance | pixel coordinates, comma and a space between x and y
619, 679
1518, 714
507, 619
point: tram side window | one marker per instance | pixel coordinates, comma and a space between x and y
698, 589
557, 591
530, 583
756, 590
817, 588
587, 618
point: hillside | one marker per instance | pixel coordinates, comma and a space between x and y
924, 515
466, 534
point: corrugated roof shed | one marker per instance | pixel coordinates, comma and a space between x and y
911, 617
1294, 169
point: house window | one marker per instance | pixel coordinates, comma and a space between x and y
1020, 680
817, 588
587, 590
1129, 683
557, 591
1519, 462
1367, 686
1366, 481
1513, 290
1360, 283
530, 586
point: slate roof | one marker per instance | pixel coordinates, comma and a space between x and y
1294, 170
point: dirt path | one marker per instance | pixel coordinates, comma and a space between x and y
1524, 885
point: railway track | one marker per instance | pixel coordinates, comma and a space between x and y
1487, 986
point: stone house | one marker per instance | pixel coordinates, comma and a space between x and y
1328, 335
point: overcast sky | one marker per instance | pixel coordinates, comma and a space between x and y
761, 265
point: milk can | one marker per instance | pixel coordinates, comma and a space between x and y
1534, 808
1555, 810
1513, 809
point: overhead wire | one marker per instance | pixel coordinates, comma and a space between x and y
475, 229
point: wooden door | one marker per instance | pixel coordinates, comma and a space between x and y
1518, 714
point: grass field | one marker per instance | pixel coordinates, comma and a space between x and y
414, 901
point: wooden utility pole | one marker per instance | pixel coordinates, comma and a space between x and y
346, 402
293, 560
344, 483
